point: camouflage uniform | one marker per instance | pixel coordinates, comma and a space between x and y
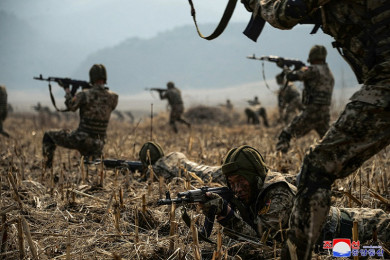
254, 111
96, 105
316, 97
175, 101
270, 211
289, 102
3, 109
169, 166
360, 29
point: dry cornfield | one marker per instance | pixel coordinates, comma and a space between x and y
75, 211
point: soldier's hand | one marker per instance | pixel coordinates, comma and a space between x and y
280, 63
215, 204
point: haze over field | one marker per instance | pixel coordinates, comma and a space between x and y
145, 44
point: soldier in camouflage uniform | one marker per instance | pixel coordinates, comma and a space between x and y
316, 97
254, 111
361, 33
3, 109
175, 101
264, 200
96, 105
169, 165
289, 102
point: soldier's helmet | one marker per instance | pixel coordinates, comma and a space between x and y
245, 161
317, 52
97, 72
170, 84
151, 157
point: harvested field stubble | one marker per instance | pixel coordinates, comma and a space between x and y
87, 212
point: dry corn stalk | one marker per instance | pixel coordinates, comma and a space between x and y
355, 235
172, 227
136, 223
195, 241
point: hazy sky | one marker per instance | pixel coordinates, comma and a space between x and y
111, 21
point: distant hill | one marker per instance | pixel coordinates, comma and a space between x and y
182, 56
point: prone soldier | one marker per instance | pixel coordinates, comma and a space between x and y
95, 105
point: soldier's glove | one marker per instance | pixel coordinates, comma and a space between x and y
215, 205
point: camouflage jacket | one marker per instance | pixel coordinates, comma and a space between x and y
267, 215
173, 95
360, 29
318, 84
96, 105
170, 165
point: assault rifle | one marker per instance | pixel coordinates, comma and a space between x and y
118, 164
159, 90
281, 62
198, 195
66, 82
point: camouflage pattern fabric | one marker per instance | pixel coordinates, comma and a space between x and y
317, 93
173, 95
96, 105
3, 106
169, 166
360, 29
268, 213
289, 102
369, 220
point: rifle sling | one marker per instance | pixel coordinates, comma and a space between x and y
222, 23
53, 101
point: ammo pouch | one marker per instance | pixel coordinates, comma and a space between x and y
317, 98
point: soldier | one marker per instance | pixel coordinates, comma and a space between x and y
254, 111
96, 105
289, 102
175, 101
264, 200
3, 109
228, 105
360, 30
316, 97
169, 165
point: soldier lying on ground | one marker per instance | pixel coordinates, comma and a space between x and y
169, 165
264, 200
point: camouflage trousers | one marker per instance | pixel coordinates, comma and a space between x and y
361, 131
176, 115
78, 140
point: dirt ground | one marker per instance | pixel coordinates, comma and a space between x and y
77, 211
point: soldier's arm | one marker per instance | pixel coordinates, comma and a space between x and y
276, 211
285, 14
73, 103
234, 222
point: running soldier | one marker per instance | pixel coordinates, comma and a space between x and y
173, 95
264, 200
289, 102
3, 109
316, 97
96, 105
360, 30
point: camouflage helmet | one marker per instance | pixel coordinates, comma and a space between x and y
245, 161
155, 151
97, 72
170, 84
317, 52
